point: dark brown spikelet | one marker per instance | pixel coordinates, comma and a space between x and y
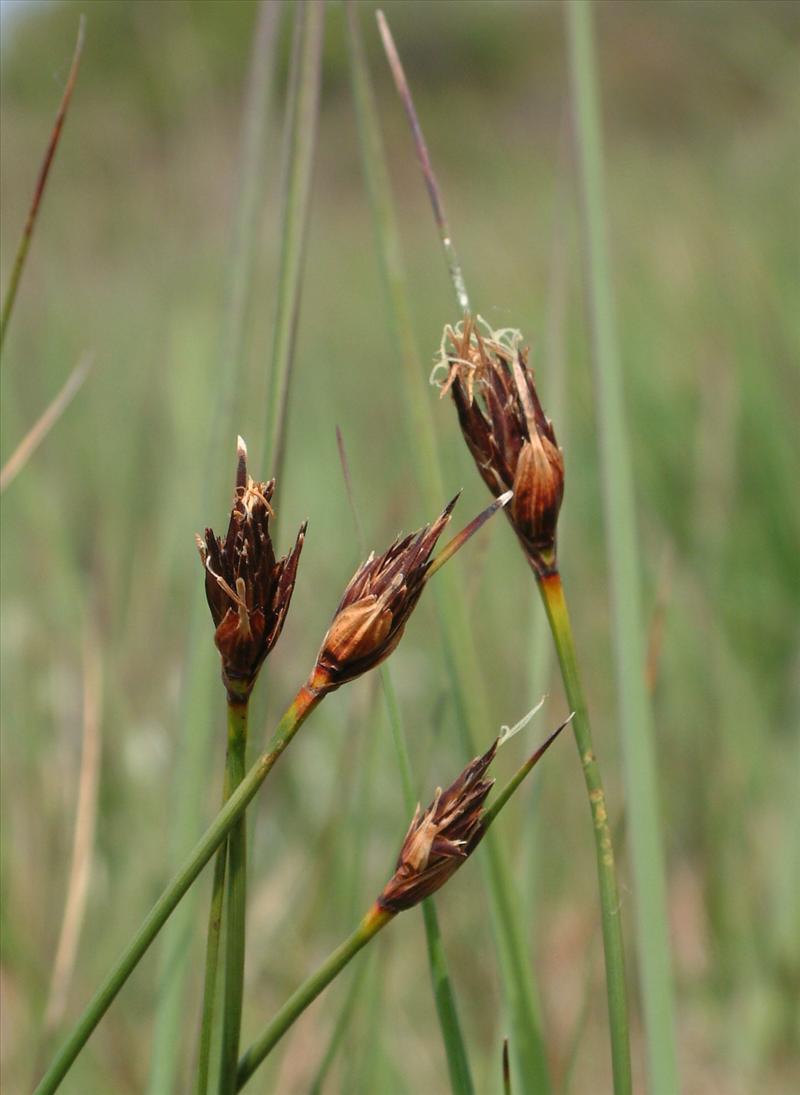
511, 440
441, 838
247, 589
380, 597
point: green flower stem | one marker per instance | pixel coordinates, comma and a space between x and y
237, 905
304, 703
376, 919
234, 773
552, 592
212, 954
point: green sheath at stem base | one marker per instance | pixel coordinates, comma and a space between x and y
552, 592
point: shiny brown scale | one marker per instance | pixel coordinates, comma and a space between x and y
511, 440
247, 589
440, 839
378, 600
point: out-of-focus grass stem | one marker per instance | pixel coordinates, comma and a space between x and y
45, 422
636, 724
83, 836
300, 136
41, 182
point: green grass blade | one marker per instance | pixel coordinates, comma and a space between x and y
552, 592
636, 722
300, 141
201, 685
460, 654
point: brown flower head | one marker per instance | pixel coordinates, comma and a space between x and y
247, 589
378, 600
441, 838
511, 440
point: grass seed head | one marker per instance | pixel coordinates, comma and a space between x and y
247, 589
511, 440
375, 607
440, 838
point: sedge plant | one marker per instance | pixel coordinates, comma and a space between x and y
463, 661
513, 443
366, 628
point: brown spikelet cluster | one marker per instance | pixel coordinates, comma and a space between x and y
378, 600
511, 440
247, 589
440, 839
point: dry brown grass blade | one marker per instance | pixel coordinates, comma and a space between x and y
41, 183
44, 424
83, 837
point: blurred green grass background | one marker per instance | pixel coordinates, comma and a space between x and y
129, 260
